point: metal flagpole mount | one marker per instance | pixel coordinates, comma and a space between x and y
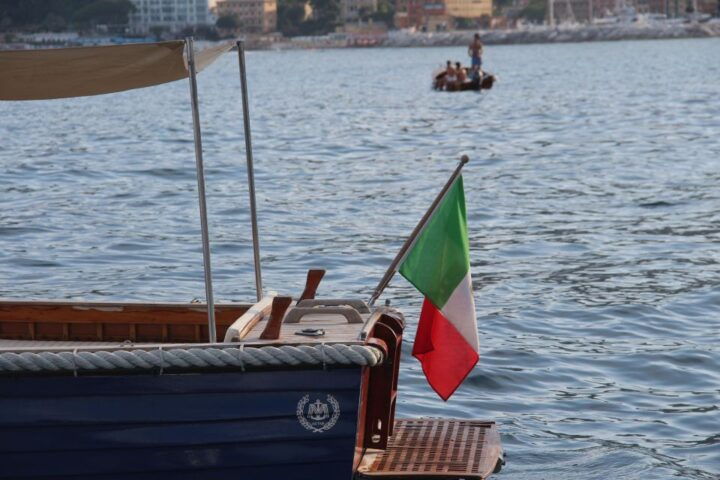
212, 332
250, 170
410, 241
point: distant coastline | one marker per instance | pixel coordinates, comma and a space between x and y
530, 35
401, 38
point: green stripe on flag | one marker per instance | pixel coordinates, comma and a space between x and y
440, 258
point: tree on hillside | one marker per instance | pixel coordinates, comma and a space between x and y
292, 22
104, 12
385, 12
54, 23
32, 14
290, 16
326, 14
227, 22
499, 6
534, 12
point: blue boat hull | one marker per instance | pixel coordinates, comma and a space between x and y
250, 425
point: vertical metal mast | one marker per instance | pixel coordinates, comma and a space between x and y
250, 171
212, 332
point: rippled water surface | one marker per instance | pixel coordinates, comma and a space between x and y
593, 201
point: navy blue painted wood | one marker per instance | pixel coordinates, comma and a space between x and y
330, 471
86, 384
103, 436
200, 426
196, 407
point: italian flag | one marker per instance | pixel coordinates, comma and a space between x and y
438, 265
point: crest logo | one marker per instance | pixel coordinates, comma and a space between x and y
318, 416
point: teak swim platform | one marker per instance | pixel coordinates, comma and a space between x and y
277, 388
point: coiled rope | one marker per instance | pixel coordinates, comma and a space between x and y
183, 358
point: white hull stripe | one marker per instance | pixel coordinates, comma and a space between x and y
460, 312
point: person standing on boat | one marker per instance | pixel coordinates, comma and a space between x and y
475, 51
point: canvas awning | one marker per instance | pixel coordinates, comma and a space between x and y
82, 71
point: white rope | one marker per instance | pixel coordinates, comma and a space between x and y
203, 357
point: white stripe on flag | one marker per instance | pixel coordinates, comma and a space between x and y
460, 311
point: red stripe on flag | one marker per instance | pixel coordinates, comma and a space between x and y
446, 357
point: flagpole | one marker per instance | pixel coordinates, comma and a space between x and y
392, 269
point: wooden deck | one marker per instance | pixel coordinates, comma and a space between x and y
430, 448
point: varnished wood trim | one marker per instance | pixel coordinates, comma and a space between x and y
240, 327
277, 313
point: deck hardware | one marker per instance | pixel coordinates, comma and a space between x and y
279, 307
350, 314
311, 332
358, 305
311, 285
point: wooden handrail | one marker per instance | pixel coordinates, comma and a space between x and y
242, 326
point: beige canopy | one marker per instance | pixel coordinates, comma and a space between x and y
77, 72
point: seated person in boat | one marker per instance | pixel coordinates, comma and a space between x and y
450, 76
460, 74
441, 78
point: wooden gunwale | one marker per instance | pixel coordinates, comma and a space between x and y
112, 321
159, 324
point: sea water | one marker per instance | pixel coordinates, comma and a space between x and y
593, 197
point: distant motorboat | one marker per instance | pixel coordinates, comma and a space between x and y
485, 81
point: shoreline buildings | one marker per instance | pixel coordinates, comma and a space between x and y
440, 14
253, 16
170, 15
584, 11
353, 10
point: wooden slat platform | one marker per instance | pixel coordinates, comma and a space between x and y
430, 448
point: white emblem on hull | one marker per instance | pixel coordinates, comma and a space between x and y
318, 416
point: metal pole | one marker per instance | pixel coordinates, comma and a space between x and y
212, 332
416, 233
250, 171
